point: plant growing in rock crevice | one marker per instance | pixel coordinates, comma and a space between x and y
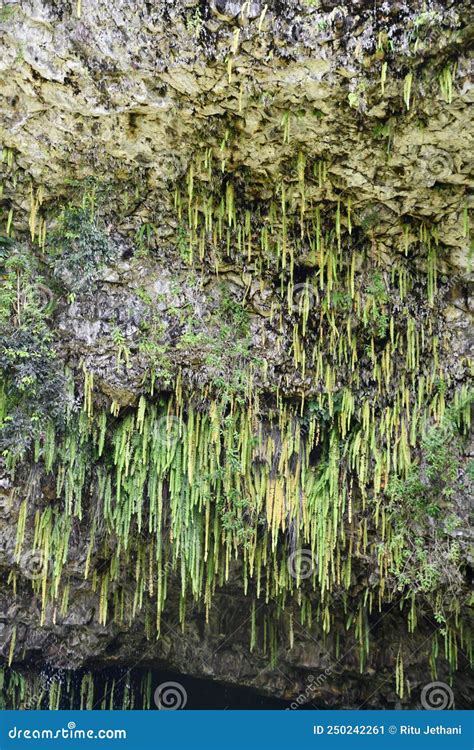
32, 379
425, 510
79, 248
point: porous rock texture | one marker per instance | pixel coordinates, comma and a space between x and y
121, 96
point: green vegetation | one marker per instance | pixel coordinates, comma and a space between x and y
79, 248
214, 472
232, 460
228, 349
376, 305
123, 352
144, 238
7, 12
32, 389
224, 347
423, 514
56, 689
196, 480
153, 344
194, 22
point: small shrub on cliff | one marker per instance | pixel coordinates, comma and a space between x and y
426, 510
32, 383
79, 248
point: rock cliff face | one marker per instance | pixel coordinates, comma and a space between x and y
236, 348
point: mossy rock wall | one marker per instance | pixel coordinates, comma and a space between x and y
236, 341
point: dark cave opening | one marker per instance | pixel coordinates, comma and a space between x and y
212, 695
115, 688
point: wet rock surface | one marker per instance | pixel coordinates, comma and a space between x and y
122, 97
